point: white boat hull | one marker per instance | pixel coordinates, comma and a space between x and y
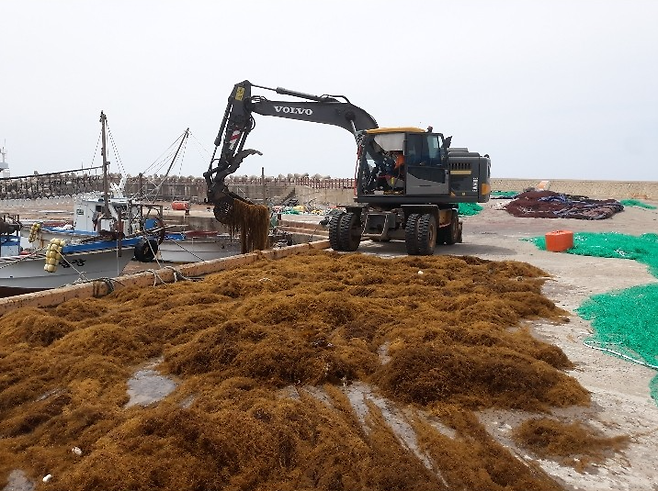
192, 249
27, 272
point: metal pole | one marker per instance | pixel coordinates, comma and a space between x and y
106, 184
262, 176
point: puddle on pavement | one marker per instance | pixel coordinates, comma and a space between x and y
289, 392
18, 481
320, 394
147, 386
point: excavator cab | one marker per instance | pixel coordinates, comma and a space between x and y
405, 165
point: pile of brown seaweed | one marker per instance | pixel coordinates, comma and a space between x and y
318, 371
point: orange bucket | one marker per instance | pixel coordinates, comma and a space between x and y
559, 241
180, 205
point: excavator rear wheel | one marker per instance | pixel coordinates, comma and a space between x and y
350, 232
452, 232
334, 231
426, 234
411, 234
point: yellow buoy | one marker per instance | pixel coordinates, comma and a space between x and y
53, 254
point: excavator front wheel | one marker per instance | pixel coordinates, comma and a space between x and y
426, 234
350, 232
345, 232
334, 231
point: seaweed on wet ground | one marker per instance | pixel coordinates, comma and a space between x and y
574, 443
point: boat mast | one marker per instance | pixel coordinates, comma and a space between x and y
171, 164
180, 145
156, 191
106, 184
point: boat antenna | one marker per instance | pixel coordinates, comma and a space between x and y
4, 166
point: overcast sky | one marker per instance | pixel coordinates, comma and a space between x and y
549, 89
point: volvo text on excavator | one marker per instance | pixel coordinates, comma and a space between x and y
408, 184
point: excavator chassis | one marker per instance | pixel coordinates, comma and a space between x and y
420, 226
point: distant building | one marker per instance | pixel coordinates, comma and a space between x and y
4, 165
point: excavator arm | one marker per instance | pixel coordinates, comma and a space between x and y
238, 122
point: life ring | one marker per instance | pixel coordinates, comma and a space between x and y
145, 250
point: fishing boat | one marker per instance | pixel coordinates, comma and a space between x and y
89, 221
60, 262
100, 214
175, 246
111, 210
56, 258
189, 246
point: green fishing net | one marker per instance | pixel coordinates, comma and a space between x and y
625, 322
505, 194
469, 209
611, 244
635, 202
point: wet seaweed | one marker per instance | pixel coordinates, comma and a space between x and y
574, 443
253, 221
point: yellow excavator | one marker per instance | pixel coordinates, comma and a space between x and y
409, 181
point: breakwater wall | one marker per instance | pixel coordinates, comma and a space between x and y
323, 193
54, 185
594, 189
276, 190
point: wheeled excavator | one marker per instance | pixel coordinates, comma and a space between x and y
408, 181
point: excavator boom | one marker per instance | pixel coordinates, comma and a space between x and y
238, 122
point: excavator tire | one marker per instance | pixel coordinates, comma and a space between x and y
411, 234
334, 232
350, 232
426, 234
452, 232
